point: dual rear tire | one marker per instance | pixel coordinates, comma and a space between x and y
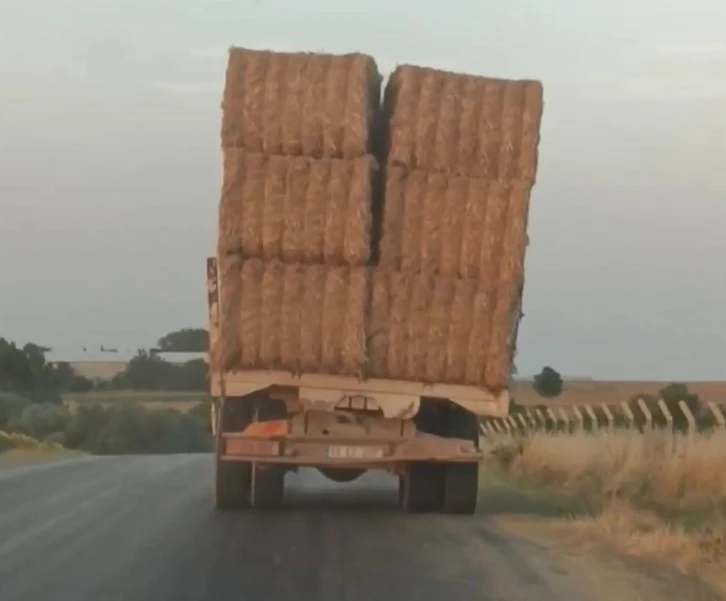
242, 484
437, 487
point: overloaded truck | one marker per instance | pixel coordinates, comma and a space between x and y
366, 291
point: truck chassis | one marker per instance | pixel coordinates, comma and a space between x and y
267, 423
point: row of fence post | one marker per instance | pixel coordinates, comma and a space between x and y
536, 418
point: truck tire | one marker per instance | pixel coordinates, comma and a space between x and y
268, 480
232, 485
423, 487
232, 478
461, 488
268, 486
461, 480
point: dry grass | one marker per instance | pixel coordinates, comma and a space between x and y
316, 105
653, 496
440, 329
301, 318
296, 209
19, 449
462, 124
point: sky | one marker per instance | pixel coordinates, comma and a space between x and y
110, 167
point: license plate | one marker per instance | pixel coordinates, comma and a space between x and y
251, 448
354, 452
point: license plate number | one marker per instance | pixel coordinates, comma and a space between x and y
354, 452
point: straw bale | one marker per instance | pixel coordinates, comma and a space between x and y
449, 225
506, 300
317, 105
463, 124
296, 209
293, 317
436, 329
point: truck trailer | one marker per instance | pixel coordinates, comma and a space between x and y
419, 421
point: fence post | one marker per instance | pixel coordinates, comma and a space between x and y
646, 414
512, 424
553, 417
689, 417
579, 417
522, 421
667, 414
541, 418
530, 419
565, 419
717, 414
628, 413
593, 418
608, 416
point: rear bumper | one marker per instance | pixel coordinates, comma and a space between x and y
341, 452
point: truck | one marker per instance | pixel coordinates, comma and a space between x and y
267, 423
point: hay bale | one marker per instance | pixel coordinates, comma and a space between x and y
317, 105
436, 329
449, 225
463, 124
292, 317
296, 209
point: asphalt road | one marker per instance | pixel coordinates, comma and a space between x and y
144, 528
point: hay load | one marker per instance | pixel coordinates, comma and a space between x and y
293, 317
300, 104
437, 329
462, 124
296, 209
461, 159
453, 226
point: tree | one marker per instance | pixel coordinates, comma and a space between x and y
186, 340
548, 383
148, 371
26, 372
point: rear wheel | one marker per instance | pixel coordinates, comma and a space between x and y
461, 480
268, 480
268, 486
423, 483
443, 486
423, 487
232, 478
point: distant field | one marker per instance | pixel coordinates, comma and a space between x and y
98, 370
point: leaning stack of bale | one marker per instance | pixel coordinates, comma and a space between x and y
461, 159
295, 211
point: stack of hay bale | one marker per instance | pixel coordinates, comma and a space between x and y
295, 211
461, 159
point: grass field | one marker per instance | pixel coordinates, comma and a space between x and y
658, 497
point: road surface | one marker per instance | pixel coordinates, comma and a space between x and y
144, 529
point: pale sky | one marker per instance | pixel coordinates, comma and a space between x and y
110, 163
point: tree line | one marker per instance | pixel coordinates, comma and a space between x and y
24, 370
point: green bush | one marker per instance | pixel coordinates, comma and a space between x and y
129, 428
40, 420
124, 428
11, 407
